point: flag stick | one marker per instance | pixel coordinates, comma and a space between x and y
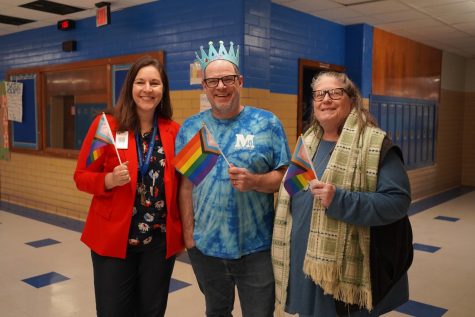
112, 136
308, 156
224, 157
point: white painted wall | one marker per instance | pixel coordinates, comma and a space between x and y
453, 72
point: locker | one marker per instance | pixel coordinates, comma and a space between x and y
410, 123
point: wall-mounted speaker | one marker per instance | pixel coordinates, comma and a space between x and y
69, 46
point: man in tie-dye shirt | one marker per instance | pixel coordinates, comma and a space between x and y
227, 218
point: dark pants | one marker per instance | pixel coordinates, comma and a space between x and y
134, 286
251, 274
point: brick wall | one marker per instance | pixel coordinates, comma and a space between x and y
42, 183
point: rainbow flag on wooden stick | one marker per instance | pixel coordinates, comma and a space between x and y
300, 171
102, 138
198, 156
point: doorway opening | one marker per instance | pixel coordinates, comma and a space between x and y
307, 71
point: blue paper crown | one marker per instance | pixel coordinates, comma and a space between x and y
213, 55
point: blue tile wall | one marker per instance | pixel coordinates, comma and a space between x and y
272, 39
177, 27
359, 56
297, 35
256, 63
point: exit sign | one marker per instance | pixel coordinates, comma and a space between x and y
103, 15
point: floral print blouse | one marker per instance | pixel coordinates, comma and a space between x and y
149, 213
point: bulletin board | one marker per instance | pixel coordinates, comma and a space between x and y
4, 136
24, 134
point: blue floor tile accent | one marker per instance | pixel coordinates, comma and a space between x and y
45, 279
452, 219
176, 285
425, 248
418, 309
42, 243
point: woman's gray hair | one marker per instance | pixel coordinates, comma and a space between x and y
364, 116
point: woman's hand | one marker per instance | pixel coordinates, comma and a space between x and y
322, 191
118, 177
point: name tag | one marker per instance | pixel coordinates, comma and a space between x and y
122, 140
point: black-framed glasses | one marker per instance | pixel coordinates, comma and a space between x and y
335, 94
214, 82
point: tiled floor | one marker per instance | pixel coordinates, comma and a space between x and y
45, 271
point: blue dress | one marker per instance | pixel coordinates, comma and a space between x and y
387, 204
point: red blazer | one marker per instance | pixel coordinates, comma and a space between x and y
108, 221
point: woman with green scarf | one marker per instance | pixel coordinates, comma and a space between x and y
342, 246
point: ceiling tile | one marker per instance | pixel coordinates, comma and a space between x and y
466, 27
399, 16
426, 3
12, 20
14, 3
450, 9
313, 6
337, 13
409, 25
441, 31
458, 18
28, 13
371, 20
51, 7
349, 2
379, 7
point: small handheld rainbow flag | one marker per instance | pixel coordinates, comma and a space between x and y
198, 156
102, 138
300, 171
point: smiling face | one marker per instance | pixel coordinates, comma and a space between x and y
224, 99
147, 90
331, 114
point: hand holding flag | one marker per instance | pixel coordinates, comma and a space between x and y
102, 138
198, 156
300, 171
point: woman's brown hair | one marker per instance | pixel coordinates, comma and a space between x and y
125, 110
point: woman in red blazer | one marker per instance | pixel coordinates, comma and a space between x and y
133, 226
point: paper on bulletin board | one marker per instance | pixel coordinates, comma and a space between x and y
14, 92
4, 140
196, 74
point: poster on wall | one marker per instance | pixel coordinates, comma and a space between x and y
14, 92
196, 75
4, 141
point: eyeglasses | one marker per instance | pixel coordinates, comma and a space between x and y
335, 94
214, 82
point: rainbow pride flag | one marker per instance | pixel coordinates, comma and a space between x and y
198, 156
102, 138
300, 171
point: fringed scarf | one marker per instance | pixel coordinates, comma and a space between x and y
337, 256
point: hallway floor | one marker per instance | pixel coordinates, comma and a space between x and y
45, 271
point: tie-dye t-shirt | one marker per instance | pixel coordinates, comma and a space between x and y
230, 223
